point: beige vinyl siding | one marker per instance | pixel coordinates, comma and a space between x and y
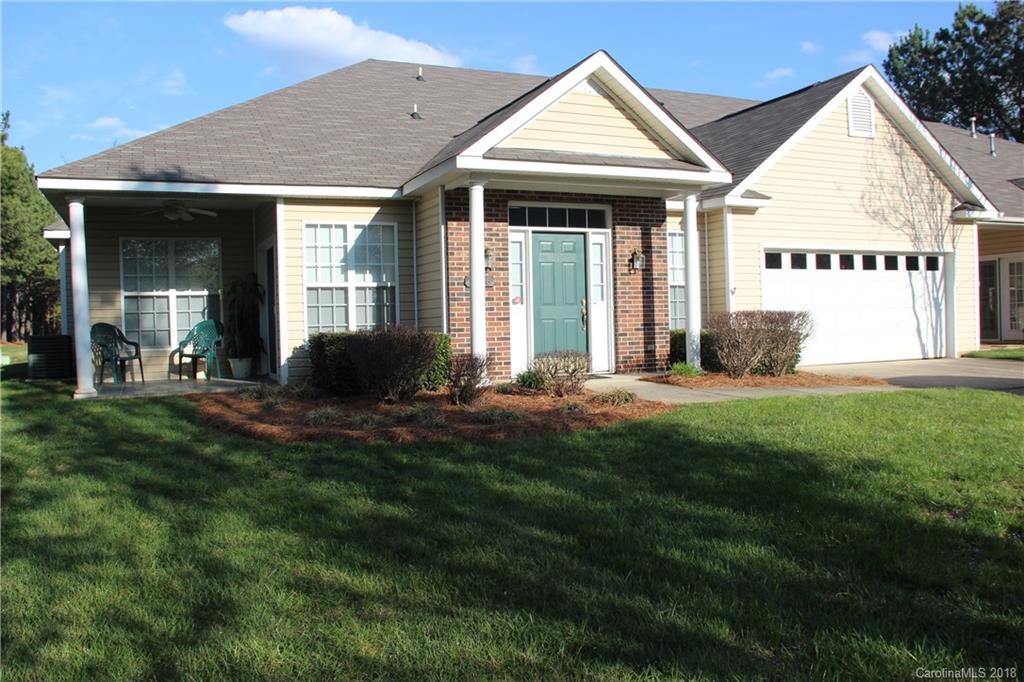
104, 229
428, 261
587, 122
993, 242
297, 212
833, 190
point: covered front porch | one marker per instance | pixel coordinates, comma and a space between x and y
1001, 282
154, 265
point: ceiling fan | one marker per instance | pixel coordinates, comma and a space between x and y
177, 210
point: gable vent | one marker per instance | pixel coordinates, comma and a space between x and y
862, 115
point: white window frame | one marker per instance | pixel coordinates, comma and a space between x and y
672, 283
350, 284
171, 293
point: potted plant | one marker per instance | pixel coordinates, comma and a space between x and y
242, 300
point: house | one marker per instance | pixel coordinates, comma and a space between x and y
523, 214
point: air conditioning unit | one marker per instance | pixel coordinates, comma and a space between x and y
50, 357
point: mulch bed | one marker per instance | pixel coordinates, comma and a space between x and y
795, 380
494, 416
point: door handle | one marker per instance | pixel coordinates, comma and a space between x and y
583, 312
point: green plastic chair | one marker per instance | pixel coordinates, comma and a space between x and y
204, 339
111, 344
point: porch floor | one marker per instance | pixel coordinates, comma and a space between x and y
164, 387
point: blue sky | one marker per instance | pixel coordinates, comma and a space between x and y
81, 77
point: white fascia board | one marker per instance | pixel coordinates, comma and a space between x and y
1000, 221
597, 61
289, 191
480, 164
977, 216
435, 174
56, 235
720, 202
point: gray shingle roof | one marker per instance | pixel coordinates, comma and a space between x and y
999, 177
744, 139
350, 127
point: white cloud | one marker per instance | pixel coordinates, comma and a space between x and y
112, 128
807, 47
53, 100
526, 63
778, 73
329, 38
173, 84
877, 41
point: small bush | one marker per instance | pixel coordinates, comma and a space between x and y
681, 369
738, 341
390, 362
303, 390
563, 372
322, 415
331, 363
572, 406
708, 356
420, 415
531, 379
496, 416
505, 389
467, 377
437, 376
783, 335
616, 397
368, 420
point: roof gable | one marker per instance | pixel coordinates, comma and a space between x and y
587, 119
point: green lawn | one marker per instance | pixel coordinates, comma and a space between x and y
998, 354
853, 537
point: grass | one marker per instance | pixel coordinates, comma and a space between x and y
854, 537
998, 354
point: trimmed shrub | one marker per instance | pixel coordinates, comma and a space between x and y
562, 372
331, 362
437, 376
390, 362
708, 354
530, 378
737, 337
467, 377
681, 369
616, 397
783, 335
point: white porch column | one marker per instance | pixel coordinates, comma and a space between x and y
692, 241
80, 296
477, 274
62, 269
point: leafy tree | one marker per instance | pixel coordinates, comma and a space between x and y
28, 264
973, 68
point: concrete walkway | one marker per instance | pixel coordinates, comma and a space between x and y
994, 375
667, 393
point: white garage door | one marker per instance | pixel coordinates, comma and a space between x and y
866, 307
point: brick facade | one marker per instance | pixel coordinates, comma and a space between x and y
641, 298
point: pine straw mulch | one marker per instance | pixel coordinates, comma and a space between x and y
428, 417
794, 380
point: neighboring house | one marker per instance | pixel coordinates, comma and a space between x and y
998, 167
523, 215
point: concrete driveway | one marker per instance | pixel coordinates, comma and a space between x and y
995, 375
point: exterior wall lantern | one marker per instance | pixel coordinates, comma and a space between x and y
637, 260
487, 260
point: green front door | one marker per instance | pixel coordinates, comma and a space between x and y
559, 293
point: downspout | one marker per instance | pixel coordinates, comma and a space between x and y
415, 276
444, 259
706, 294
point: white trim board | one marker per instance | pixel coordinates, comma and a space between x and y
290, 191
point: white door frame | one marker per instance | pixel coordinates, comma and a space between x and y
261, 274
588, 238
999, 297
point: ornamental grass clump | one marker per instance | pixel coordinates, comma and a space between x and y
562, 372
